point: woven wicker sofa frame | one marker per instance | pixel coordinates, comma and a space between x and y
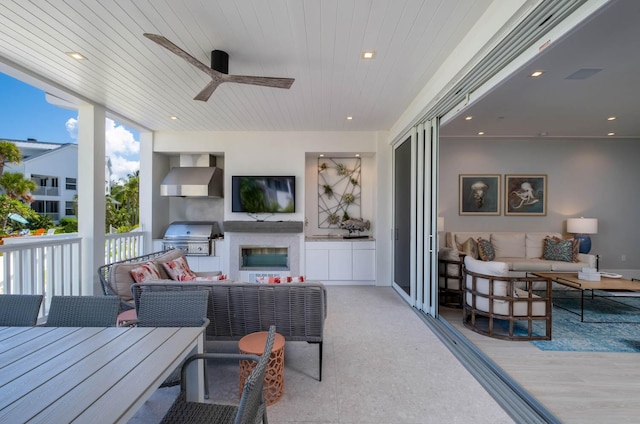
105, 271
298, 310
518, 290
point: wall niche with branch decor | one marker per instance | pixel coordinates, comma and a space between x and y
339, 191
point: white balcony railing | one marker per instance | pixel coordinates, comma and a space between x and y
46, 191
52, 265
122, 246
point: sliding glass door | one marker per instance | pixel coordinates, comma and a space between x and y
415, 217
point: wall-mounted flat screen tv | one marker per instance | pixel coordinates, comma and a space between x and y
263, 194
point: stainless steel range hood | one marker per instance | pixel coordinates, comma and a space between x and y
202, 180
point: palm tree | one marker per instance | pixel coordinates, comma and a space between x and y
9, 152
122, 205
128, 194
17, 187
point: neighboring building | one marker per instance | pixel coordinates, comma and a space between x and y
54, 169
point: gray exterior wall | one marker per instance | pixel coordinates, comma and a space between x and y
590, 178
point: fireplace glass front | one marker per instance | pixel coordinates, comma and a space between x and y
264, 258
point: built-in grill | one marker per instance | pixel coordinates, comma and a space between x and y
193, 237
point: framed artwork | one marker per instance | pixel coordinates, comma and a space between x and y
525, 195
479, 194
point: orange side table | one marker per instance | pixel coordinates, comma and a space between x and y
274, 377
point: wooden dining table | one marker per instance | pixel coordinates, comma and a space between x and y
90, 375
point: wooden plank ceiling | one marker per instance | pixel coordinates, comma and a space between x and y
316, 42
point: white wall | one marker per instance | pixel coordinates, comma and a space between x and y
285, 153
591, 178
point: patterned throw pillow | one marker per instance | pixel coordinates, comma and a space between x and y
178, 269
485, 250
469, 247
279, 280
556, 249
145, 272
220, 277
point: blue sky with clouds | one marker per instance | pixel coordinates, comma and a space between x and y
24, 113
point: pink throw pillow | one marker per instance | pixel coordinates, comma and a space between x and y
279, 280
145, 272
211, 278
178, 269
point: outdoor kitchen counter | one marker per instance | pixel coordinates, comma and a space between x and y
337, 237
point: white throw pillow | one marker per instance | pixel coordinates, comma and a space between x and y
508, 245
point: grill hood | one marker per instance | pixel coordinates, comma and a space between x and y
194, 181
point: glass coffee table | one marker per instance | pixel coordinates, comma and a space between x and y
570, 279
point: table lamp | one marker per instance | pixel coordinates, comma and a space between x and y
440, 223
582, 227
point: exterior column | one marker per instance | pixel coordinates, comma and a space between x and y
154, 209
91, 194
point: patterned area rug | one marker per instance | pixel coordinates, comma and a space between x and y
612, 324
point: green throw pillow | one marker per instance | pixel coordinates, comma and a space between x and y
556, 249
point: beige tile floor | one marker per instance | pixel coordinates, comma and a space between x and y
382, 365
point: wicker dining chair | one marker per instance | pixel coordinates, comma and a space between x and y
19, 310
173, 309
251, 408
83, 311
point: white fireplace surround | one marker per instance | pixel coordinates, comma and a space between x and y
236, 241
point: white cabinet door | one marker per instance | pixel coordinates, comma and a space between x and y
340, 263
364, 265
317, 264
209, 263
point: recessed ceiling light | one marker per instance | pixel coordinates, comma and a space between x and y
536, 73
468, 118
349, 118
357, 155
76, 55
368, 54
321, 155
175, 118
611, 118
611, 133
481, 133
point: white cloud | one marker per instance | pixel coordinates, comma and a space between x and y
120, 145
72, 128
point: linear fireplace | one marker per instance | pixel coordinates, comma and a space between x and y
259, 254
264, 258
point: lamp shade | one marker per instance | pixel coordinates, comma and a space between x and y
440, 223
582, 225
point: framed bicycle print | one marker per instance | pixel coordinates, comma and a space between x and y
525, 195
479, 194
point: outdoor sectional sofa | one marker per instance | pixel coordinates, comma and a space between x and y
522, 252
298, 310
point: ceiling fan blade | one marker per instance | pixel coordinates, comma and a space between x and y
161, 40
208, 90
262, 81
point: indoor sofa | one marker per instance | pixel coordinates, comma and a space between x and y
522, 252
